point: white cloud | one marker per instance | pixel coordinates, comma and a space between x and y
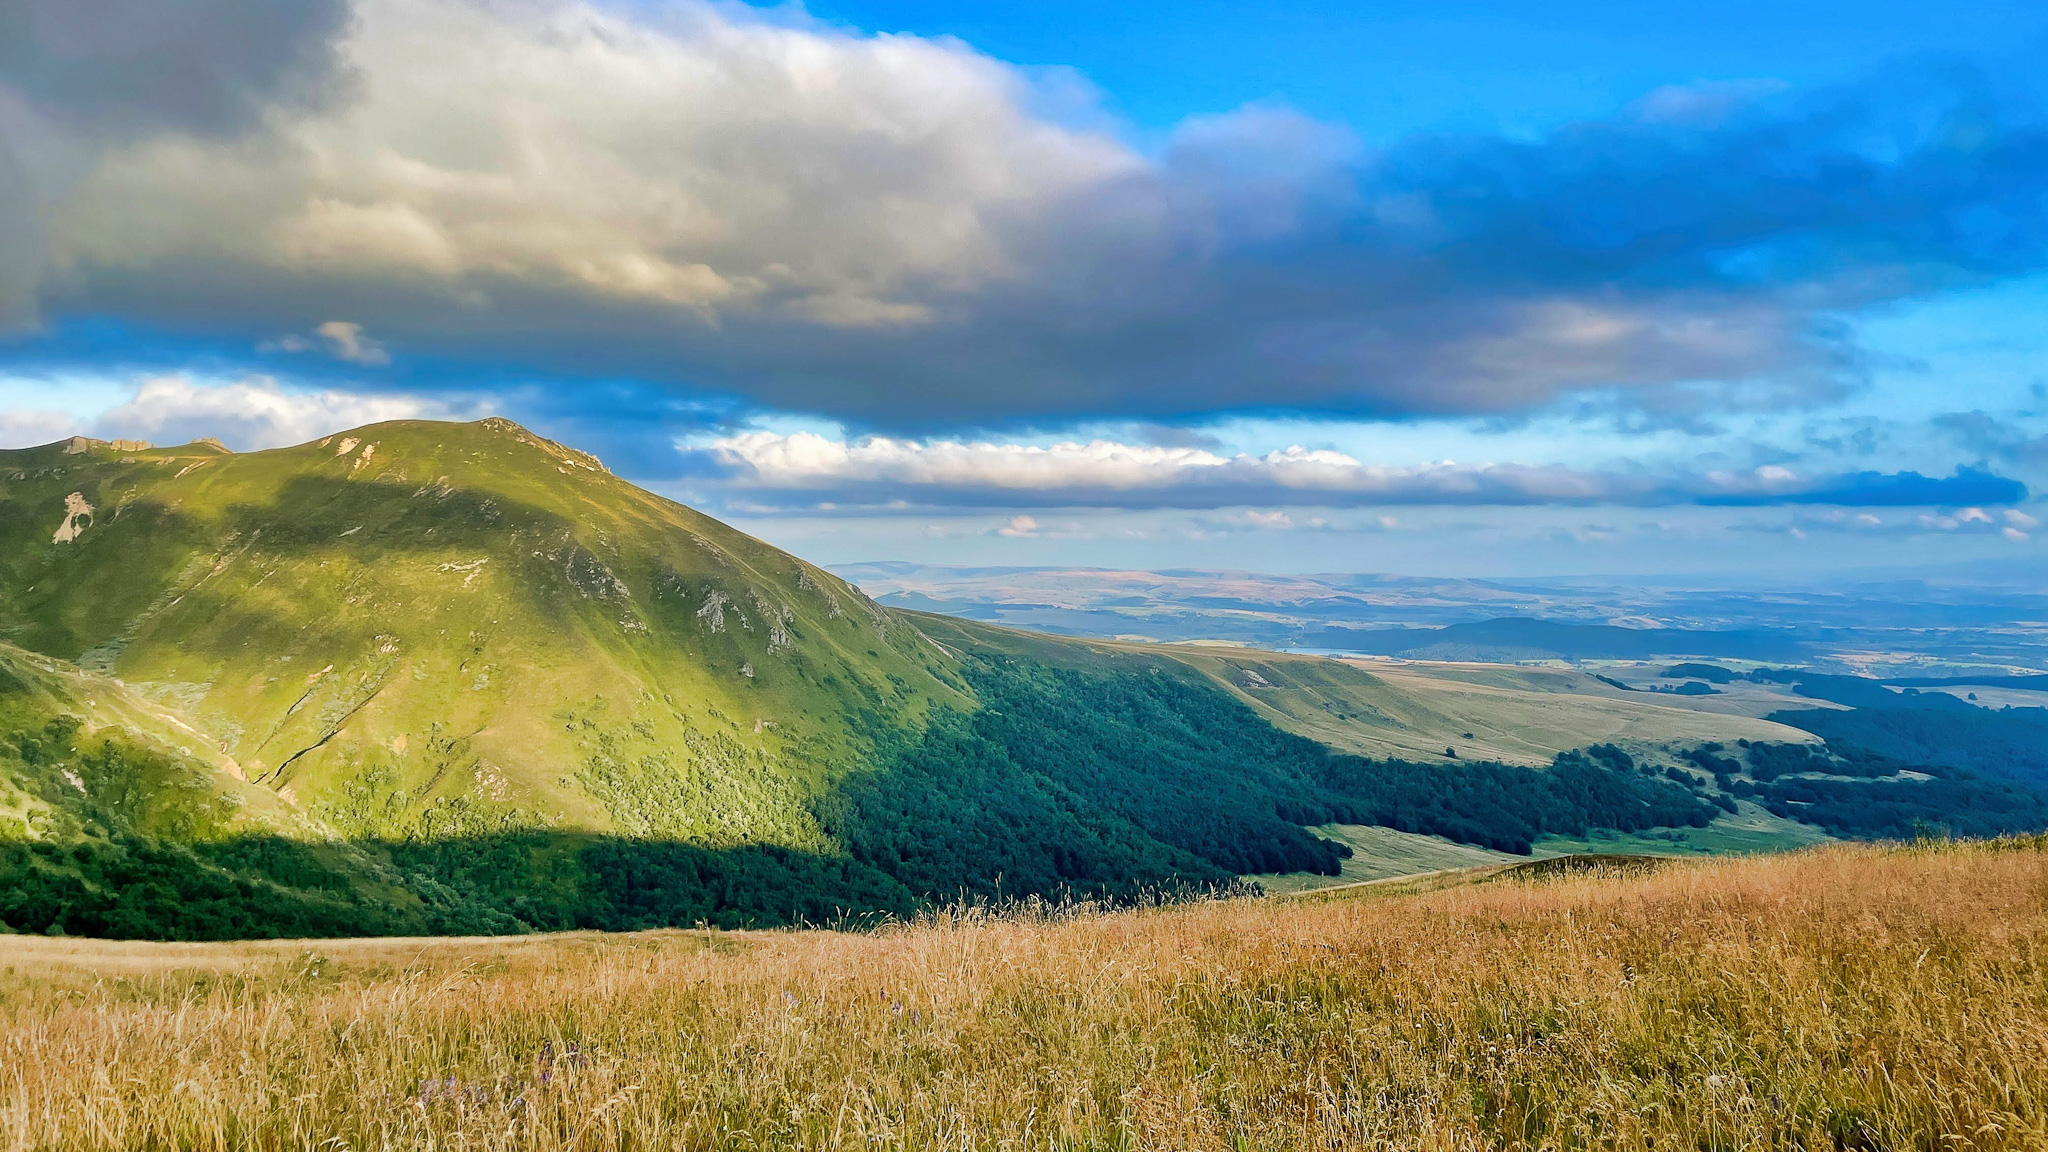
341, 339
1838, 520
1961, 520
804, 461
2021, 520
1703, 103
794, 460
799, 466
28, 427
253, 412
1020, 526
1280, 520
691, 160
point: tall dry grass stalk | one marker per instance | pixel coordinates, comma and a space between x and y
1843, 998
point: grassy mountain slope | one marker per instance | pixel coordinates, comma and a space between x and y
454, 628
1521, 716
61, 731
112, 823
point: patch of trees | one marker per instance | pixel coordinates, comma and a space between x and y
130, 887
1708, 756
1904, 809
1712, 673
1768, 761
634, 885
1859, 691
2009, 743
1688, 688
1887, 797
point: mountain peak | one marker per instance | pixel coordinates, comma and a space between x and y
554, 448
457, 433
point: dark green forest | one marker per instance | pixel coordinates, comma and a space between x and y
1918, 763
2010, 743
1884, 797
1905, 809
1989, 767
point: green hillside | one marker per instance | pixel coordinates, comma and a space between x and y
112, 823
78, 742
455, 678
443, 628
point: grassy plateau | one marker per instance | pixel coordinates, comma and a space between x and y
1839, 997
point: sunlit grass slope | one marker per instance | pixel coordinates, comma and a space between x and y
450, 629
1489, 712
1516, 715
1847, 997
144, 760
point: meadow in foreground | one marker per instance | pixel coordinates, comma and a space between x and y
1843, 997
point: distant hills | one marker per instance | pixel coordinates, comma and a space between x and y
1516, 639
1968, 619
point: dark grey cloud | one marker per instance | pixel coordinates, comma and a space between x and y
1473, 275
80, 77
902, 242
203, 66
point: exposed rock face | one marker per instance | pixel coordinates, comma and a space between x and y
77, 518
78, 445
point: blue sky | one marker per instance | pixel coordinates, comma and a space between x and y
1480, 289
1391, 69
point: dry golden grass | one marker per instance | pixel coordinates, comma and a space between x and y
1843, 997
